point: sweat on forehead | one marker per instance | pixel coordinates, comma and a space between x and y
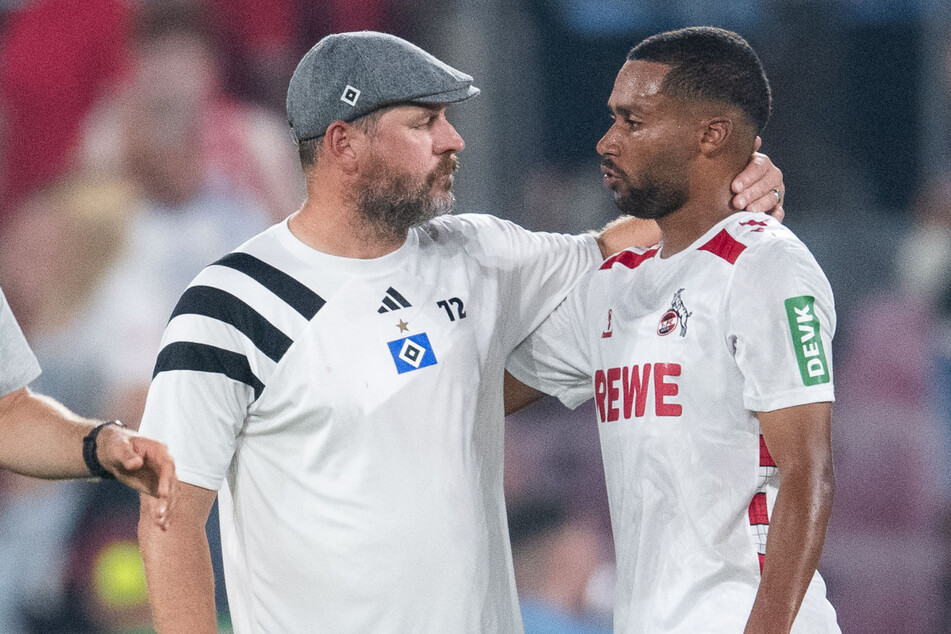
708, 63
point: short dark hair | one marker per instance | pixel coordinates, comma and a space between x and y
714, 64
308, 150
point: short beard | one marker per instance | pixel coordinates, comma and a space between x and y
652, 199
391, 203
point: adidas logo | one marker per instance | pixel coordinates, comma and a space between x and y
393, 301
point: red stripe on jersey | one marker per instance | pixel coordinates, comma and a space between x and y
765, 460
725, 246
762, 560
628, 258
758, 513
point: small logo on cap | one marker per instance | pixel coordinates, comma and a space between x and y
350, 95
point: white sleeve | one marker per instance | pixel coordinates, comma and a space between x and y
18, 365
536, 270
206, 377
556, 358
780, 318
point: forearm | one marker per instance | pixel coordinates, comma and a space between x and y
179, 575
796, 536
627, 231
40, 437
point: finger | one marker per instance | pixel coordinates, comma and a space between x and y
760, 193
161, 515
767, 203
778, 213
754, 171
758, 143
158, 508
170, 502
158, 463
166, 473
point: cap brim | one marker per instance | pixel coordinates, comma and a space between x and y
449, 96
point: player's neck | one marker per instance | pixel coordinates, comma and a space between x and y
701, 212
336, 229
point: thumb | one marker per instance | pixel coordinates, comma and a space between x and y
132, 462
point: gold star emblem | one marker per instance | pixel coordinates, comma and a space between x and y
403, 325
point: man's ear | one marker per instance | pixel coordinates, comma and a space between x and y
715, 135
342, 144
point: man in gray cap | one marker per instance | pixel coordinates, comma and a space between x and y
337, 381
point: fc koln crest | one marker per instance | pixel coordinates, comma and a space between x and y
675, 315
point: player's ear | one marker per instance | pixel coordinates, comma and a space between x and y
714, 135
342, 143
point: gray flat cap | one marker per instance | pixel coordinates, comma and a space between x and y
348, 75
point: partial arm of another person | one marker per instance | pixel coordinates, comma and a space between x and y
554, 358
799, 440
178, 565
518, 395
754, 188
42, 438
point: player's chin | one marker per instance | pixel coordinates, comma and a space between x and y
443, 203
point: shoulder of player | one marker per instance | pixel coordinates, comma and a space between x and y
749, 237
260, 263
771, 257
465, 226
264, 248
491, 239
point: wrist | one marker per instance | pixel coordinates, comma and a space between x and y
91, 451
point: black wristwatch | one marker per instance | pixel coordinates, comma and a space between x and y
89, 451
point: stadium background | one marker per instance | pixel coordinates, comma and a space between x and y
143, 139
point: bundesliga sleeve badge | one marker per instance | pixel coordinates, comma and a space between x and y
412, 353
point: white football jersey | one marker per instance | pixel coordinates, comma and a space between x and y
350, 412
681, 352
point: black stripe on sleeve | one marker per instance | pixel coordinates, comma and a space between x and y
186, 355
298, 296
223, 306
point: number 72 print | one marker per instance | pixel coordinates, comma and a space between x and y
448, 305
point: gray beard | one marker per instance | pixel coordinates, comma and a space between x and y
390, 205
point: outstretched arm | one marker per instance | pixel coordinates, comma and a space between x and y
759, 187
40, 437
799, 440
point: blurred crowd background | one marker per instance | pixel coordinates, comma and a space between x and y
143, 139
